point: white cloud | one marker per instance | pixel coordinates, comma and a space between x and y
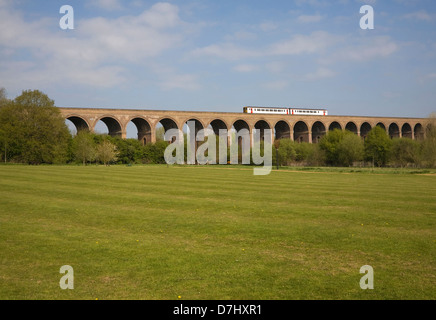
368, 49
275, 67
95, 53
370, 2
4, 3
321, 73
362, 49
227, 51
313, 3
431, 76
420, 15
245, 68
299, 44
180, 81
107, 4
310, 18
241, 35
276, 85
268, 26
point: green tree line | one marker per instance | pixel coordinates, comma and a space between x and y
33, 131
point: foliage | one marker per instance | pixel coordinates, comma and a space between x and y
3, 97
160, 132
304, 151
329, 144
287, 152
84, 147
129, 150
106, 152
350, 149
429, 145
342, 148
33, 130
404, 151
377, 146
154, 153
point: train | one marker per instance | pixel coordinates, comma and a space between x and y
290, 111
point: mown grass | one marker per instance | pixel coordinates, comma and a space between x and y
215, 232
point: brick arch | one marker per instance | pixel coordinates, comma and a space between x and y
406, 130
239, 137
381, 125
81, 123
240, 121
262, 125
219, 124
114, 125
168, 123
197, 120
352, 126
283, 130
301, 131
418, 131
334, 125
394, 130
143, 126
318, 131
365, 128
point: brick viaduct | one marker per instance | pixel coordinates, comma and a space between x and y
298, 128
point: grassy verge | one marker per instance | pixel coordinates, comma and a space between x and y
210, 232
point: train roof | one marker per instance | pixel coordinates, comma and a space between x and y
284, 108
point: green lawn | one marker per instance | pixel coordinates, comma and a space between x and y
158, 232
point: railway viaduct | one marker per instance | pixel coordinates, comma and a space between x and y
298, 128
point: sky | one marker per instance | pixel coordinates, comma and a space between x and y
222, 55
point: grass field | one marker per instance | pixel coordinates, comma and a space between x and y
158, 232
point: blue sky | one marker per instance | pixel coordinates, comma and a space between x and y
222, 55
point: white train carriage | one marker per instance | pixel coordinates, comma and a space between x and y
266, 110
308, 112
290, 111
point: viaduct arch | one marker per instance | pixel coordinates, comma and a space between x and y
298, 128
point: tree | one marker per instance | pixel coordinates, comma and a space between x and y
341, 148
160, 133
329, 144
129, 150
287, 153
3, 97
377, 146
304, 151
106, 152
84, 148
429, 143
34, 130
350, 149
404, 151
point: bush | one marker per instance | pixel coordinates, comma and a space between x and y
404, 151
377, 146
33, 129
350, 149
